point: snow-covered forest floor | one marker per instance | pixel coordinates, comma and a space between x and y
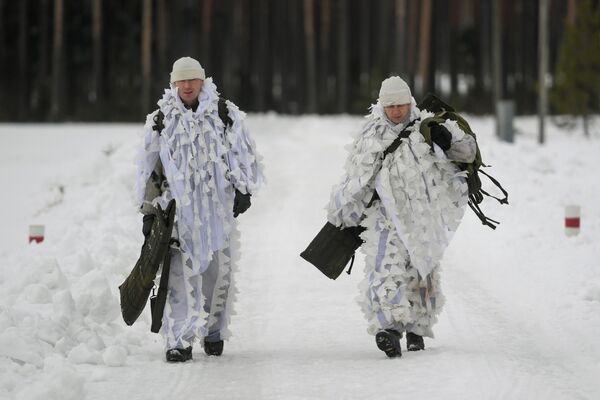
522, 314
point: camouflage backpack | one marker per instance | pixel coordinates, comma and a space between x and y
445, 112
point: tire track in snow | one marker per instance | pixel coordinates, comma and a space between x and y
514, 358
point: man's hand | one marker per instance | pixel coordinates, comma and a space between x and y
441, 136
148, 220
241, 203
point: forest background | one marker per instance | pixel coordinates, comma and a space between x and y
109, 60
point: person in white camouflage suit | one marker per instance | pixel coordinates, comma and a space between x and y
420, 197
211, 168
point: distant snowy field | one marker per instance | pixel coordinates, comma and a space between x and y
522, 319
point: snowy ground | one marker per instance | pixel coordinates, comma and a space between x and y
522, 319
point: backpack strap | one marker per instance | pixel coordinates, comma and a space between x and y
476, 196
394, 145
474, 204
498, 185
390, 149
222, 111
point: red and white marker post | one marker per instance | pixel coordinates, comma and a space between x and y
572, 220
36, 233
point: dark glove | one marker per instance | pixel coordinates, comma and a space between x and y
441, 136
241, 203
224, 113
148, 220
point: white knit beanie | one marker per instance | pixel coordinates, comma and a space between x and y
187, 68
394, 91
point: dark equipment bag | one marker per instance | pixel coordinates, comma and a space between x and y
332, 249
135, 290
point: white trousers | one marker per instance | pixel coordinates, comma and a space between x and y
198, 305
395, 295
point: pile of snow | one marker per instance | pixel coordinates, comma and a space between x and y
59, 307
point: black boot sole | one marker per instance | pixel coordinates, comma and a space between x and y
213, 348
388, 343
414, 342
181, 355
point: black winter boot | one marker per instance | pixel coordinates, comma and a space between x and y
414, 342
388, 341
213, 348
179, 355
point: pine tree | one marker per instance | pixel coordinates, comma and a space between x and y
576, 90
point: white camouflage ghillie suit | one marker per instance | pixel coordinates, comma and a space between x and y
203, 164
422, 197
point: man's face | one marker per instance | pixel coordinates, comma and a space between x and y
397, 113
189, 90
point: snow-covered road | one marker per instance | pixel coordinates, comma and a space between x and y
522, 314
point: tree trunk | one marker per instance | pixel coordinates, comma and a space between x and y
325, 55
57, 61
260, 76
383, 43
342, 56
497, 50
453, 28
97, 52
364, 45
425, 48
23, 61
237, 50
572, 12
162, 29
413, 37
207, 16
146, 47
2, 32
297, 76
276, 60
518, 37
543, 69
479, 84
497, 57
227, 47
586, 125
2, 44
311, 73
399, 36
39, 93
486, 45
